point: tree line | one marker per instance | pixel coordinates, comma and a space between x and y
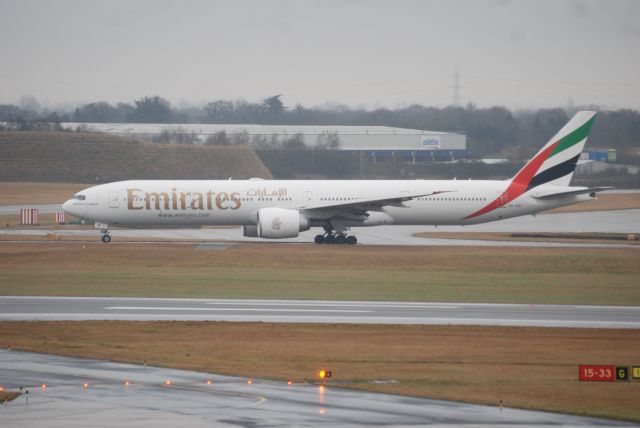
490, 131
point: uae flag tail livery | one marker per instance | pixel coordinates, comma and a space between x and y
551, 168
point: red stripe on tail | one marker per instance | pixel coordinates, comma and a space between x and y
519, 183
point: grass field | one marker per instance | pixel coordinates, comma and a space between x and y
300, 271
535, 368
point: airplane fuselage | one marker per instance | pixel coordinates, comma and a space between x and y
237, 202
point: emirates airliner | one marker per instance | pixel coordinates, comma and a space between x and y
283, 208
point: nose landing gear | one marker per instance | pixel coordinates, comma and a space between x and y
106, 237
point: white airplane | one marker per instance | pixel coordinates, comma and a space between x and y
283, 208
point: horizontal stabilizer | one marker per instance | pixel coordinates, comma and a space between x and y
570, 191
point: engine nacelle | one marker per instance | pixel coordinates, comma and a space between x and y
277, 223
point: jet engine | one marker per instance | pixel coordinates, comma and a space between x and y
277, 223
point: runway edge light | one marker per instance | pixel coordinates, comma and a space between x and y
324, 374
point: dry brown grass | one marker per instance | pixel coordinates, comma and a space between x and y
605, 202
524, 367
286, 256
548, 237
38, 193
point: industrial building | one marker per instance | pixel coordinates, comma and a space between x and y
376, 142
600, 155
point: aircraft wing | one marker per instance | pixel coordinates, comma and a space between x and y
570, 191
372, 204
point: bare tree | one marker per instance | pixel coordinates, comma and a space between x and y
218, 139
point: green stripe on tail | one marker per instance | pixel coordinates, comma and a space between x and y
573, 138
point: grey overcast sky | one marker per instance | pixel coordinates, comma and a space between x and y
362, 53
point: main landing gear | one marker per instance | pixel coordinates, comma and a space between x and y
338, 238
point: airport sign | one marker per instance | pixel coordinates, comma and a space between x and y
592, 373
622, 374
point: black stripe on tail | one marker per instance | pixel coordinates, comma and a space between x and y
555, 172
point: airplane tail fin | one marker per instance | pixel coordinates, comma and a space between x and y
556, 162
553, 164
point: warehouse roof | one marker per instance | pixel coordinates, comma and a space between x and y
157, 128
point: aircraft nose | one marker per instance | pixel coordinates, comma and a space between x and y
71, 209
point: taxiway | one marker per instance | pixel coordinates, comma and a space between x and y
81, 392
622, 221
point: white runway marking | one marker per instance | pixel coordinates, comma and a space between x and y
175, 308
343, 304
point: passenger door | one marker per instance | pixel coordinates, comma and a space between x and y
114, 200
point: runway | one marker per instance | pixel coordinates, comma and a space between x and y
147, 401
20, 308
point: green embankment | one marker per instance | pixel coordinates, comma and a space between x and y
92, 157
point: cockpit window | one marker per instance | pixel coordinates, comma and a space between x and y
79, 197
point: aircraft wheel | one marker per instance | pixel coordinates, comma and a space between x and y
352, 240
340, 239
329, 239
106, 238
319, 239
